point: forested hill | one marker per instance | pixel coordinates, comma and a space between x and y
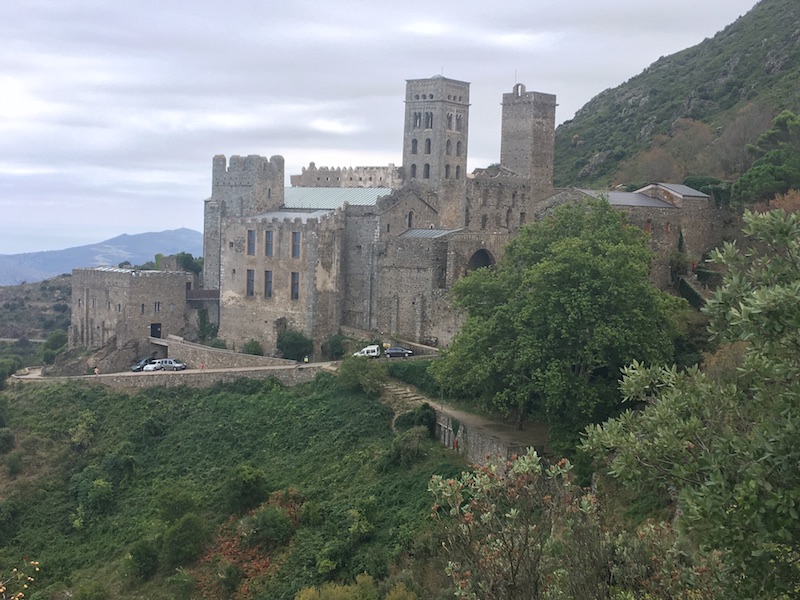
713, 98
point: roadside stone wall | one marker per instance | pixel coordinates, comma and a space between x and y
195, 355
195, 379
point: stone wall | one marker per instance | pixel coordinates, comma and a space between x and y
348, 177
195, 355
126, 305
478, 447
194, 379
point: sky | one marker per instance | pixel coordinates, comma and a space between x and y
111, 111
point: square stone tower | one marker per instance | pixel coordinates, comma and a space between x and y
528, 135
436, 132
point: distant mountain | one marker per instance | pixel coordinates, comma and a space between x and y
136, 249
690, 112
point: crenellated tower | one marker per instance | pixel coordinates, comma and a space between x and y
528, 136
244, 187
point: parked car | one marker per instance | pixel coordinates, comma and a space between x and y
165, 364
140, 364
396, 351
373, 351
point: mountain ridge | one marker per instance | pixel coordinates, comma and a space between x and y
134, 248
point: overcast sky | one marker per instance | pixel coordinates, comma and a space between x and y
111, 110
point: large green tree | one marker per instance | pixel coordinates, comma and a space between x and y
550, 327
725, 442
777, 167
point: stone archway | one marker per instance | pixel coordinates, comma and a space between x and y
482, 258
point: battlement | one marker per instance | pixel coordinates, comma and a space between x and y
246, 170
348, 177
519, 95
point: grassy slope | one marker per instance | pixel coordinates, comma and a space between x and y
314, 438
754, 60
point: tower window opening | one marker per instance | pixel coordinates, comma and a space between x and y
413, 146
427, 145
426, 171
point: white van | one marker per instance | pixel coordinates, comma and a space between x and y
373, 351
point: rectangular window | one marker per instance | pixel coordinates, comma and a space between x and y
251, 242
295, 286
251, 282
295, 244
156, 306
267, 284
268, 243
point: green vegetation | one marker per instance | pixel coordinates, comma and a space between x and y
252, 346
248, 485
34, 310
722, 442
550, 327
294, 345
691, 113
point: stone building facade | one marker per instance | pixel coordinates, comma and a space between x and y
374, 248
125, 307
384, 259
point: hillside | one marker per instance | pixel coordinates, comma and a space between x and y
136, 249
95, 475
710, 100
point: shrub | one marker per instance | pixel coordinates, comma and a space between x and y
230, 576
294, 345
245, 488
333, 348
56, 340
14, 464
49, 357
218, 343
184, 541
6, 440
271, 527
415, 372
144, 559
362, 374
173, 503
407, 448
93, 590
252, 346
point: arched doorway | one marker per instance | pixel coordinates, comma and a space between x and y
482, 258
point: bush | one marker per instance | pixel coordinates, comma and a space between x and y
415, 372
14, 464
333, 348
49, 357
362, 374
407, 448
173, 503
144, 559
245, 488
271, 527
218, 343
184, 541
6, 440
56, 340
294, 345
230, 576
93, 590
252, 346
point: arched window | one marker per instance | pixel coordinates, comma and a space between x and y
447, 171
410, 219
427, 145
413, 146
448, 148
413, 171
417, 120
426, 171
428, 120
458, 148
450, 121
459, 123
458, 171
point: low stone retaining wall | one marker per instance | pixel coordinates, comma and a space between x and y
193, 378
195, 355
478, 447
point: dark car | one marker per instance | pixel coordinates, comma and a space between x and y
140, 364
396, 351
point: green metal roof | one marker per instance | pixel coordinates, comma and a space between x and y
314, 197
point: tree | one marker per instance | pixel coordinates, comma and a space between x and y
724, 442
294, 345
527, 532
777, 168
549, 329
